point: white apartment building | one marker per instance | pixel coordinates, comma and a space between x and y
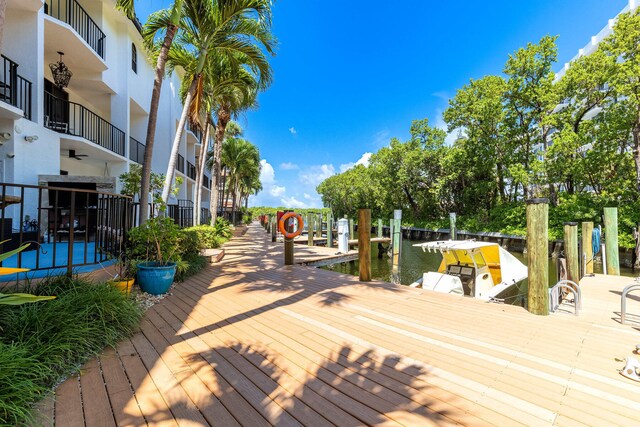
88, 133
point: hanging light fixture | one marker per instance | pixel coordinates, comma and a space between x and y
60, 72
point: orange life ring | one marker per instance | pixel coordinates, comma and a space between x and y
283, 221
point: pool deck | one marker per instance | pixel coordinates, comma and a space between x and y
250, 342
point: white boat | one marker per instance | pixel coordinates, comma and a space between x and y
483, 270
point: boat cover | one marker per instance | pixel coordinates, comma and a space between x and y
504, 267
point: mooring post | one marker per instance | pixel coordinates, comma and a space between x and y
571, 251
329, 230
274, 228
288, 244
453, 234
318, 226
538, 254
364, 244
611, 240
379, 230
397, 243
309, 229
587, 246
351, 233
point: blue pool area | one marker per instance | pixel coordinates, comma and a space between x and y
43, 259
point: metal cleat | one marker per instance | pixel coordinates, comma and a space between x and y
630, 369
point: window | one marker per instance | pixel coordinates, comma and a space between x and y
134, 58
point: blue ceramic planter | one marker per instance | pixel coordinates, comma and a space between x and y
156, 278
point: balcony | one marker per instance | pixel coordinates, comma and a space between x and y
71, 13
206, 182
15, 90
180, 164
136, 150
191, 170
74, 119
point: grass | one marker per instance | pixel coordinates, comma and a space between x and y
45, 342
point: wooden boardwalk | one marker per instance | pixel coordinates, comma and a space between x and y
249, 342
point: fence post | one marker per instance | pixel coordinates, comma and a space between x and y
571, 251
538, 254
364, 244
611, 240
587, 246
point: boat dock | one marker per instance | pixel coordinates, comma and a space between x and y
251, 342
303, 239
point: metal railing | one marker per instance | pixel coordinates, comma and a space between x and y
191, 170
180, 163
70, 12
15, 89
74, 119
136, 150
182, 213
556, 297
65, 227
623, 302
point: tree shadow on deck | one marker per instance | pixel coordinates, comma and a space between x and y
339, 386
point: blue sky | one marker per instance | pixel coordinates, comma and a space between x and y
349, 75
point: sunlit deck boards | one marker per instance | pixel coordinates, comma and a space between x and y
249, 342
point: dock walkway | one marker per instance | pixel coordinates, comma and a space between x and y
250, 342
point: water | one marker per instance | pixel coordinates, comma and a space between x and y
414, 262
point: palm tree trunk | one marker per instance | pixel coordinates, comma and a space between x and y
151, 124
200, 172
3, 9
224, 115
233, 204
173, 158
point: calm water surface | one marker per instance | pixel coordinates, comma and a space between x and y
414, 262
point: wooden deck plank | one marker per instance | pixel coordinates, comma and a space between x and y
68, 408
123, 402
96, 406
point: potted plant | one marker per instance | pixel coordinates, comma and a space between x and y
125, 275
157, 242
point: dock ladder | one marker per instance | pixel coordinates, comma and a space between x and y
623, 302
555, 297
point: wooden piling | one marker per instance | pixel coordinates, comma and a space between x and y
587, 246
319, 225
309, 229
329, 230
379, 230
571, 251
452, 226
274, 228
364, 244
288, 244
351, 233
538, 255
611, 240
397, 244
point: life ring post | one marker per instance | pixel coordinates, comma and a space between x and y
285, 226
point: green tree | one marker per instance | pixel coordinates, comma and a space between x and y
242, 159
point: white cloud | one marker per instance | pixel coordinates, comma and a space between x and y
277, 190
292, 202
293, 130
307, 196
267, 174
380, 138
289, 166
316, 174
363, 160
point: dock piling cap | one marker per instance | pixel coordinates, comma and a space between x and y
538, 200
572, 223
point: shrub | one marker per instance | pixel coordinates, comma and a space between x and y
205, 236
223, 228
42, 343
158, 239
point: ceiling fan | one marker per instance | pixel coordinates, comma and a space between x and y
73, 155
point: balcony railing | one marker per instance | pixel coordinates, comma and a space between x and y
72, 13
191, 170
180, 164
74, 119
15, 89
136, 150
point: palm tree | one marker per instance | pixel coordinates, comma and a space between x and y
242, 159
236, 31
157, 24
